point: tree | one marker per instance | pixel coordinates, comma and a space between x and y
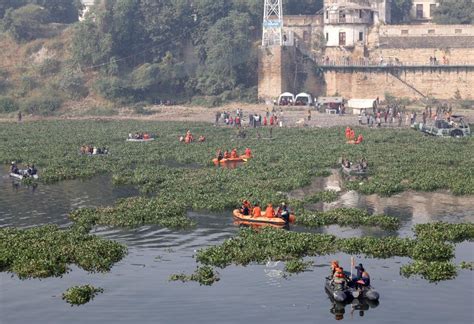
228, 50
60, 11
454, 12
25, 23
401, 10
301, 7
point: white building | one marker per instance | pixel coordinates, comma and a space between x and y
422, 10
87, 5
347, 22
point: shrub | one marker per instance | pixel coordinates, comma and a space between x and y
49, 66
7, 104
25, 23
72, 83
41, 104
79, 295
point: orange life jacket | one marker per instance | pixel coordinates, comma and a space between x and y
257, 212
269, 212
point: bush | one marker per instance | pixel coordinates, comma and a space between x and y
49, 66
72, 83
7, 104
41, 105
25, 23
79, 295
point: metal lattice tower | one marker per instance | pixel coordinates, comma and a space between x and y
273, 23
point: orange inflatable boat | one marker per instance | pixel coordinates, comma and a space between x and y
242, 158
263, 220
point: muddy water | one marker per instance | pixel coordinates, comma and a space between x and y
137, 289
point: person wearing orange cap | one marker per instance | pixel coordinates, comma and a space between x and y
269, 212
360, 139
233, 154
245, 208
334, 266
348, 132
248, 152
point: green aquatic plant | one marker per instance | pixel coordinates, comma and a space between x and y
432, 271
347, 217
297, 266
326, 196
47, 251
466, 265
205, 275
79, 295
445, 232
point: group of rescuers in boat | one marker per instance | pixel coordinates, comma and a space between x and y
30, 170
338, 277
256, 211
232, 154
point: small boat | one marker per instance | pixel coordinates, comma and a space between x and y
242, 158
23, 175
262, 220
347, 293
353, 171
140, 140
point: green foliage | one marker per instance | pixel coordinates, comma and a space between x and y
454, 12
25, 23
347, 217
49, 66
60, 11
205, 275
432, 271
445, 232
43, 104
47, 251
79, 295
466, 265
326, 196
297, 266
8, 104
72, 83
401, 10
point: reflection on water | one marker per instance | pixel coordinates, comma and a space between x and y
356, 308
137, 290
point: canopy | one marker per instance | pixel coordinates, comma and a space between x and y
288, 96
304, 98
361, 103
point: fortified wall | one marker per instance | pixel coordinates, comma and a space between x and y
392, 59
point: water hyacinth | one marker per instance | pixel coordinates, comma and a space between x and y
205, 275
47, 251
79, 295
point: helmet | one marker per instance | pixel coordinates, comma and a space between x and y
283, 204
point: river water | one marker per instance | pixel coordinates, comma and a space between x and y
137, 289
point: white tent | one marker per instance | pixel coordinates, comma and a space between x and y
286, 96
358, 105
305, 99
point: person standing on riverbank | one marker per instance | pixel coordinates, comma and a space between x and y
19, 116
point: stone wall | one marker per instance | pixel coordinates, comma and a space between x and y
441, 83
276, 71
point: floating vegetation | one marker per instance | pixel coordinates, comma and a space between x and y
326, 196
432, 271
445, 232
347, 217
205, 275
466, 265
47, 251
180, 188
79, 295
431, 257
297, 266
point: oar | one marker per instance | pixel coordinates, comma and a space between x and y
352, 264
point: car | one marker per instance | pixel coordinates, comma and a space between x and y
457, 127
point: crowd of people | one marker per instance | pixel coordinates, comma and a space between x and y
339, 277
28, 172
94, 150
255, 211
189, 138
233, 154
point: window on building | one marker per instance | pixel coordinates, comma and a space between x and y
458, 31
327, 14
327, 37
431, 31
342, 39
432, 9
342, 17
361, 36
360, 14
419, 11
404, 31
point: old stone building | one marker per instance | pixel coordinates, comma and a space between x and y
350, 48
